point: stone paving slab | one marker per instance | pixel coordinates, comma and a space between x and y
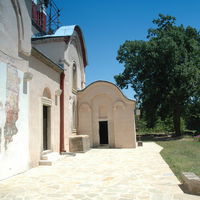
99, 174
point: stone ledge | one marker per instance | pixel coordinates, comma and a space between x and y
191, 182
79, 143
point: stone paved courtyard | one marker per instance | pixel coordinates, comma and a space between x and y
99, 174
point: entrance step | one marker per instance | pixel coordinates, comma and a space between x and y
46, 152
48, 159
50, 156
46, 162
103, 146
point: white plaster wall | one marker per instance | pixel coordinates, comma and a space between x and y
15, 47
52, 49
124, 126
85, 116
43, 77
102, 111
15, 158
15, 27
25, 24
102, 101
8, 29
68, 54
73, 56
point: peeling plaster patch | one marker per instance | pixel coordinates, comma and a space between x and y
0, 139
12, 104
3, 77
1, 131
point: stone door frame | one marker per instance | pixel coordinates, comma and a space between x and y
46, 102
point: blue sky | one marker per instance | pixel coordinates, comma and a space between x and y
106, 24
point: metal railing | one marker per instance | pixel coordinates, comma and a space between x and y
45, 16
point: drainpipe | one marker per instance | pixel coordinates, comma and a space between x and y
62, 82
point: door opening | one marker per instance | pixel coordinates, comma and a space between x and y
103, 132
46, 127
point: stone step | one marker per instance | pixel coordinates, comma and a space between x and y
51, 156
46, 152
49, 159
46, 162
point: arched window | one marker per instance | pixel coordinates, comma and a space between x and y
74, 81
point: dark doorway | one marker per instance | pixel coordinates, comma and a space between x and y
103, 132
45, 127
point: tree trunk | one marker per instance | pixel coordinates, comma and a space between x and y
177, 121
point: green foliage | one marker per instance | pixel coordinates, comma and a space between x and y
165, 126
160, 127
182, 125
192, 116
164, 71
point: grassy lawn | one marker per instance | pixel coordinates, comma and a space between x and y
182, 155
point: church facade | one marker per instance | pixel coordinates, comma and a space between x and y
106, 115
45, 107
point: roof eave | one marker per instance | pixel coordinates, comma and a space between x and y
43, 58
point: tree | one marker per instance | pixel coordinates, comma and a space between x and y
192, 116
164, 71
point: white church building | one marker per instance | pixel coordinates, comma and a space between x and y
45, 106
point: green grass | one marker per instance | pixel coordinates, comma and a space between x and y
182, 155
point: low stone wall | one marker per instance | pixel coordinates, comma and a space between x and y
191, 182
79, 143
